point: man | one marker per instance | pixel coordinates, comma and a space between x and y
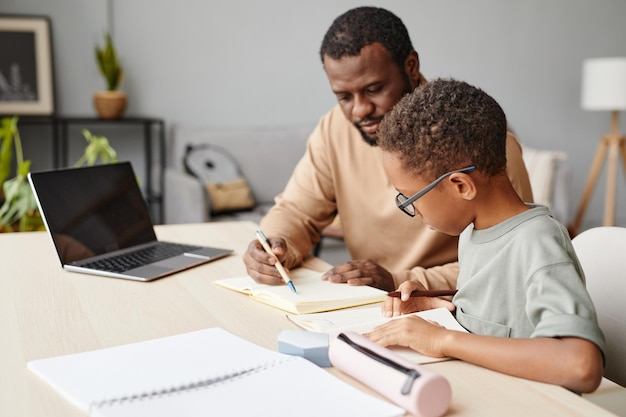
371, 64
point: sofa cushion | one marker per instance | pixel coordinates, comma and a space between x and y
550, 179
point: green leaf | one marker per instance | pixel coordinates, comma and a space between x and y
23, 169
97, 147
108, 64
7, 132
19, 197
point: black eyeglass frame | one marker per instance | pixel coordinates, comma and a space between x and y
405, 203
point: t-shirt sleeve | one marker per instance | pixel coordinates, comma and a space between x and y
559, 306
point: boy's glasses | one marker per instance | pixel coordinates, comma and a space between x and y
405, 203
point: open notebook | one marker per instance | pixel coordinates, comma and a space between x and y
202, 373
362, 320
314, 295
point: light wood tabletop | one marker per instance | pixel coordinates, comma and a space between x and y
46, 311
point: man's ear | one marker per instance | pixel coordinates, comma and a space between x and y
412, 67
464, 185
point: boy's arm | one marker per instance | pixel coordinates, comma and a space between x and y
571, 362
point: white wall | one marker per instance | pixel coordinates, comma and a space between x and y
256, 63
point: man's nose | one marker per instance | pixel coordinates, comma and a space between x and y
362, 108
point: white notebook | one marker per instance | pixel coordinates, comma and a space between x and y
208, 372
314, 295
365, 319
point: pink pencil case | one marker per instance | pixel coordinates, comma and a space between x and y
415, 388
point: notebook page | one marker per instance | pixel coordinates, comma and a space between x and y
122, 371
314, 295
365, 319
289, 387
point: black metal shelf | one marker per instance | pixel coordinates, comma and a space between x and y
60, 147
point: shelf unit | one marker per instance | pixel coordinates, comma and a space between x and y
60, 148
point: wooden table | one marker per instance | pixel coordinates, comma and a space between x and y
46, 311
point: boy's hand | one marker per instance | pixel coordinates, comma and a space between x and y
423, 336
393, 306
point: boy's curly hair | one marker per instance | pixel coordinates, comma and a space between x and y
363, 26
446, 125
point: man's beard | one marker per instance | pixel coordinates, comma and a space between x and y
368, 139
372, 141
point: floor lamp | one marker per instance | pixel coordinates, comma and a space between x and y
604, 88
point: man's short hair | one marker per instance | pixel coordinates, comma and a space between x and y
364, 26
446, 125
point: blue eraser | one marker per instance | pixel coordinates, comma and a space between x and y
310, 345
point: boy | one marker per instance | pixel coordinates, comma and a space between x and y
521, 291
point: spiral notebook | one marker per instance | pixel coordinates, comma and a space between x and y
207, 372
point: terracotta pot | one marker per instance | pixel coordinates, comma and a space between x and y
110, 104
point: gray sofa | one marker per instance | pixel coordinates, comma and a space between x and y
266, 156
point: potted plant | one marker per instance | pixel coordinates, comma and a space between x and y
18, 208
109, 103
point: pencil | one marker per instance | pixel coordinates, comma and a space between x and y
424, 293
281, 270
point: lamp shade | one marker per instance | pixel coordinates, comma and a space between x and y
604, 84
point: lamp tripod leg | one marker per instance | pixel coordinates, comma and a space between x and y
611, 183
622, 148
594, 172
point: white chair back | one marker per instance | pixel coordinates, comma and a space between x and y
602, 254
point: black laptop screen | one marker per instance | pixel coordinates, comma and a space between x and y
93, 210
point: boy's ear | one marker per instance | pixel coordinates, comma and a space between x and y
464, 185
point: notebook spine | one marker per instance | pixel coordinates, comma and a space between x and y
195, 385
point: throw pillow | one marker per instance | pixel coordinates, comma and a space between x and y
226, 187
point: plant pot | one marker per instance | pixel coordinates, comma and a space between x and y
110, 104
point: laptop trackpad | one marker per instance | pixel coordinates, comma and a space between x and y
180, 261
148, 271
165, 266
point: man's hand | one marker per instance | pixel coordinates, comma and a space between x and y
361, 272
260, 264
393, 306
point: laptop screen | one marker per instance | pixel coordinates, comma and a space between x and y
92, 210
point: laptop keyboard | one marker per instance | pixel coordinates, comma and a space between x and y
130, 260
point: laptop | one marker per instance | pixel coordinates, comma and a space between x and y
99, 223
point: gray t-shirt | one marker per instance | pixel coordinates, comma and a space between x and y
521, 278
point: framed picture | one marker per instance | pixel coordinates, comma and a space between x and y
26, 78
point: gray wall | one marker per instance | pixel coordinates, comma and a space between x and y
256, 63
